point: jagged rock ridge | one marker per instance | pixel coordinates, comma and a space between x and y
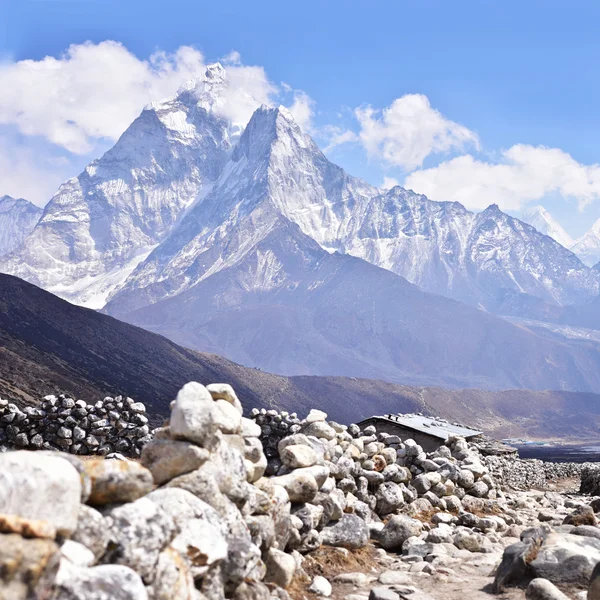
587, 247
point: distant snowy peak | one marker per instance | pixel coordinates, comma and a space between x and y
17, 219
544, 222
587, 247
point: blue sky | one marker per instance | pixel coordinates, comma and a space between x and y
507, 90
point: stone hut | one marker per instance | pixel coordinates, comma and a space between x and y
428, 432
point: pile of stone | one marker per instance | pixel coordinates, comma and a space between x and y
568, 470
379, 469
195, 519
61, 423
200, 518
511, 472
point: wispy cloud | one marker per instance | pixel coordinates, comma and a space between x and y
409, 130
523, 174
94, 91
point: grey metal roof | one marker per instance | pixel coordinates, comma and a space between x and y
434, 426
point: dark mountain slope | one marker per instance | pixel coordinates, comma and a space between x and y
48, 346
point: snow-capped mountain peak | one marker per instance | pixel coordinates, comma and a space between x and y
17, 218
158, 211
100, 225
587, 247
544, 222
203, 91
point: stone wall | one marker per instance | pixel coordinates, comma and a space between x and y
510, 471
111, 425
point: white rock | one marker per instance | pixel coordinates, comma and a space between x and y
167, 459
297, 456
316, 415
223, 391
33, 485
320, 586
319, 472
300, 486
394, 578
105, 582
172, 578
139, 532
320, 429
280, 568
182, 506
357, 579
227, 417
201, 544
250, 428
77, 553
193, 415
92, 530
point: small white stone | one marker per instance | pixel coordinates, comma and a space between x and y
250, 428
193, 415
320, 586
316, 415
227, 417
77, 553
223, 391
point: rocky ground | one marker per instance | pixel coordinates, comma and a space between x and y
222, 506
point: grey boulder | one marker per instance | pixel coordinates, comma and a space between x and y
397, 530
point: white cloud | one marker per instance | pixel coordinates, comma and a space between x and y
525, 173
83, 100
233, 58
94, 91
336, 136
409, 130
389, 183
302, 109
248, 88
